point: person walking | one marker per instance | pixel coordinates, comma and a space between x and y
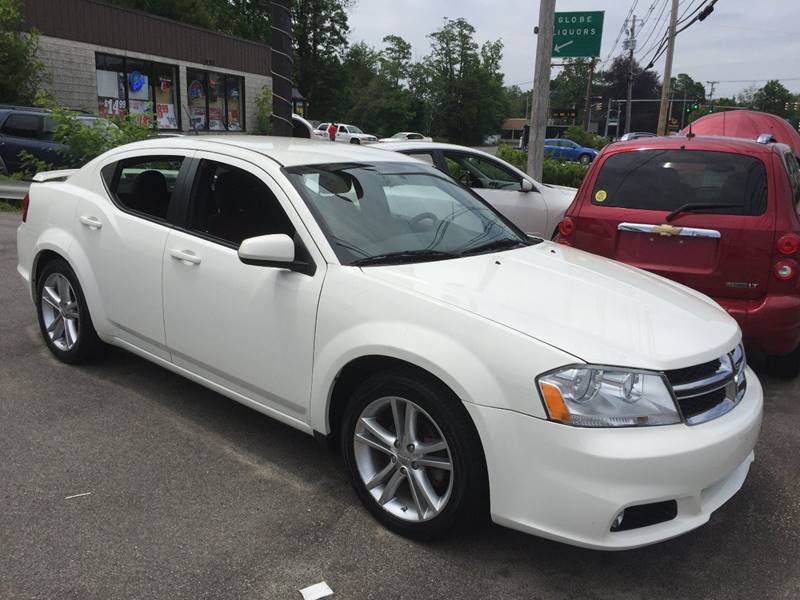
332, 131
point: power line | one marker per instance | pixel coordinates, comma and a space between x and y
619, 35
653, 30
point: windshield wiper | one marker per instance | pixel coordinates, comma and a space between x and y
403, 256
496, 245
695, 206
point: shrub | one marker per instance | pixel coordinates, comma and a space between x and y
555, 172
82, 141
264, 111
584, 138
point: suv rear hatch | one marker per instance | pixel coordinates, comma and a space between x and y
720, 243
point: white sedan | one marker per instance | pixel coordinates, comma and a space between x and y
364, 298
407, 136
534, 207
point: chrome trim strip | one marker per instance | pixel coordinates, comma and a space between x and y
669, 230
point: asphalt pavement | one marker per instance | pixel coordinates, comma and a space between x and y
123, 480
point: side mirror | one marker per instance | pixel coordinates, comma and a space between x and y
275, 250
526, 186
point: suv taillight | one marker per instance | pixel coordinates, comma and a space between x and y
25, 202
788, 244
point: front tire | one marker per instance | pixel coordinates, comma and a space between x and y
64, 318
414, 456
355, 141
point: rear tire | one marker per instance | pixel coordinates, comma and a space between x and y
355, 141
394, 475
786, 366
63, 315
584, 159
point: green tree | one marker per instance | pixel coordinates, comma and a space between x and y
320, 29
646, 86
684, 86
568, 89
774, 98
22, 72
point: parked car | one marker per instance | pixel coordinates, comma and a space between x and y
564, 149
30, 129
363, 297
406, 136
719, 215
535, 208
349, 134
636, 135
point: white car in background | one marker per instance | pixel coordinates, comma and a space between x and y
365, 298
407, 136
535, 208
349, 134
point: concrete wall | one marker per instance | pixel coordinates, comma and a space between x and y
72, 81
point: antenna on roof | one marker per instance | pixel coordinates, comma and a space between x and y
690, 135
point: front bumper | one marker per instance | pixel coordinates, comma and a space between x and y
568, 484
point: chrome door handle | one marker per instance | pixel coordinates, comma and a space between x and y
91, 222
185, 255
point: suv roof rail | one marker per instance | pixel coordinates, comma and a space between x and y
766, 138
18, 107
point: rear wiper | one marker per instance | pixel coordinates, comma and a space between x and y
495, 245
695, 206
403, 256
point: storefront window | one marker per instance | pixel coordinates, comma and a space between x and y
234, 103
215, 101
111, 97
197, 99
139, 87
165, 86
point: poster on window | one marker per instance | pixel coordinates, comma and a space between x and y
166, 115
197, 104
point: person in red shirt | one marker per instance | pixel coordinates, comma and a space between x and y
332, 131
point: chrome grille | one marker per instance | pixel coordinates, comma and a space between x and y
707, 391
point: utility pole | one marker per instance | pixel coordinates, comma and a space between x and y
662, 113
540, 96
711, 85
587, 113
281, 55
631, 45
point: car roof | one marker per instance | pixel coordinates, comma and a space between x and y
422, 145
711, 143
287, 152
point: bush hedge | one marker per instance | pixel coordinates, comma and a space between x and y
555, 172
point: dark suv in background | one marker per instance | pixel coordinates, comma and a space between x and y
31, 129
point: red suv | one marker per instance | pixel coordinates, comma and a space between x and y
719, 215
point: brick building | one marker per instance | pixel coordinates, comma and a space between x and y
108, 60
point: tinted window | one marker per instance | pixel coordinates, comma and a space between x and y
669, 179
478, 172
22, 125
368, 211
231, 205
144, 184
793, 169
414, 136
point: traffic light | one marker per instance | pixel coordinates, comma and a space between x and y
695, 105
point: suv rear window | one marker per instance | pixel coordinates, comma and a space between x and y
668, 179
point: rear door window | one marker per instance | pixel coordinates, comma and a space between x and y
668, 179
145, 184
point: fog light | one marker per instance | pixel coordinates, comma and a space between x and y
618, 520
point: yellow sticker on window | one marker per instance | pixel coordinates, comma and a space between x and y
601, 196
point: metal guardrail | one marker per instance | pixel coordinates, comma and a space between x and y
13, 190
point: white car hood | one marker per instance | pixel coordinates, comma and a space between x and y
596, 309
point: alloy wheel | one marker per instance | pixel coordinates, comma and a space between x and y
403, 459
60, 312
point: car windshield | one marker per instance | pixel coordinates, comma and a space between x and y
399, 212
671, 179
354, 129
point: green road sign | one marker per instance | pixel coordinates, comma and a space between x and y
578, 34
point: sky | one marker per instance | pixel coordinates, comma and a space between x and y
741, 44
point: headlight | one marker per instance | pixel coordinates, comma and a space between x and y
586, 396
